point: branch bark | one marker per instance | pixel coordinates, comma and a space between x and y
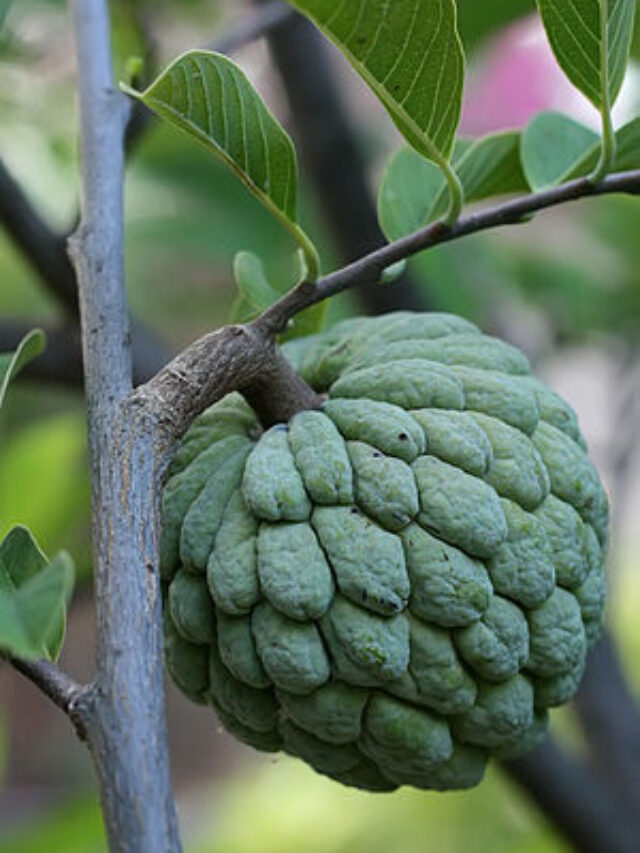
125, 724
63, 691
367, 270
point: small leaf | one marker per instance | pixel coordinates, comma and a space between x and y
256, 293
578, 39
552, 145
307, 322
253, 285
12, 362
393, 272
413, 192
409, 52
33, 597
209, 97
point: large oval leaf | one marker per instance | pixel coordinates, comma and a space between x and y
209, 97
410, 54
592, 49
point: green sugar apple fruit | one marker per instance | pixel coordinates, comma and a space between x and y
398, 586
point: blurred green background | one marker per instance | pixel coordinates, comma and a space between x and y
566, 288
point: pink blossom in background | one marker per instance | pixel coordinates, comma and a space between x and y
516, 77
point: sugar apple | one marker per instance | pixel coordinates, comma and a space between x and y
395, 587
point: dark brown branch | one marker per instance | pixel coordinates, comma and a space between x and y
367, 270
331, 156
253, 26
43, 248
57, 686
611, 722
61, 362
576, 800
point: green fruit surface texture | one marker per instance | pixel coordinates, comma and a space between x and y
397, 586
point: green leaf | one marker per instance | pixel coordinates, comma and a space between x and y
552, 144
555, 149
627, 152
393, 272
253, 285
594, 57
256, 293
410, 54
12, 362
210, 98
413, 191
33, 597
407, 193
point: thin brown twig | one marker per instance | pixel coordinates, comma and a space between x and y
63, 691
367, 270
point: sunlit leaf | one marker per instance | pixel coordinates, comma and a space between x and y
210, 98
33, 597
413, 192
589, 53
410, 54
12, 362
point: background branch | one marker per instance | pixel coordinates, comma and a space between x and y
43, 249
253, 25
331, 156
575, 799
61, 362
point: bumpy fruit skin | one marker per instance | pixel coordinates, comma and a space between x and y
396, 587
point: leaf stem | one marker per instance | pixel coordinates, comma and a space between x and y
608, 147
456, 194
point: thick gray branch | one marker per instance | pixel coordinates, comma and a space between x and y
125, 722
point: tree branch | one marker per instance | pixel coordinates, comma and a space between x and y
576, 800
609, 716
253, 26
57, 686
125, 722
43, 248
61, 361
367, 270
